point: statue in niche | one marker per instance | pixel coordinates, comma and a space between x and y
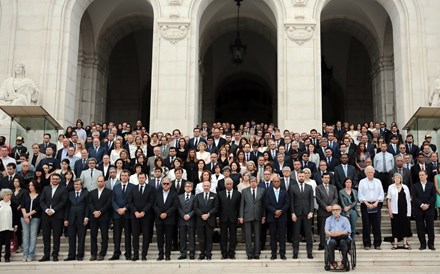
19, 90
434, 97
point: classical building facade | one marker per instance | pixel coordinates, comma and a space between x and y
168, 61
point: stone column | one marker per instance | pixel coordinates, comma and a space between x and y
170, 94
384, 90
299, 88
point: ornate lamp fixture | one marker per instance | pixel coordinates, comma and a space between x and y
237, 49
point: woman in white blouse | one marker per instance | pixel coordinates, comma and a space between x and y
206, 177
311, 182
399, 209
114, 154
202, 154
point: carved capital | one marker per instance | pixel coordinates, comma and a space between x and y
174, 31
300, 32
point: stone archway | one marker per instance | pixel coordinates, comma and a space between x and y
258, 31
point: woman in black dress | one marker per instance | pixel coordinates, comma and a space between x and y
399, 209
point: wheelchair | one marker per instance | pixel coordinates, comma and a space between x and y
351, 257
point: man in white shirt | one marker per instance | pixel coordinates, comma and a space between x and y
371, 197
384, 162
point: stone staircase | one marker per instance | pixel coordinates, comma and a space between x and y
365, 258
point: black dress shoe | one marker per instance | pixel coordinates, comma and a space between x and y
321, 247
135, 258
7, 260
283, 257
69, 259
224, 257
160, 258
201, 257
55, 259
273, 257
114, 258
44, 259
100, 258
79, 258
167, 258
310, 256
422, 247
432, 248
128, 258
208, 258
144, 258
249, 257
232, 257
192, 257
295, 256
257, 257
92, 258
182, 257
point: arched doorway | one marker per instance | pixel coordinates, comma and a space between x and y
357, 62
237, 93
114, 61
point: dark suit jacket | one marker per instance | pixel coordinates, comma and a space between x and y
52, 145
182, 186
303, 203
420, 197
138, 202
184, 209
333, 163
391, 150
107, 174
191, 142
169, 207
102, 150
228, 209
77, 210
201, 208
221, 142
79, 167
324, 200
339, 175
413, 151
120, 200
407, 180
57, 202
291, 183
415, 169
272, 205
310, 165
102, 204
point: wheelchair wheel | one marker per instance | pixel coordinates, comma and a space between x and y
353, 255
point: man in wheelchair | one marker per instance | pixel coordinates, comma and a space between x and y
338, 230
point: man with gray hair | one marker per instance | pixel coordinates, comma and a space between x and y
371, 197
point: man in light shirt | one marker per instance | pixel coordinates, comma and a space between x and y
371, 197
384, 162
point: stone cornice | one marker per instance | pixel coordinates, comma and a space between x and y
173, 31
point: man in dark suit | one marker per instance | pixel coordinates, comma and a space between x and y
305, 163
341, 172
8, 180
279, 163
62, 153
81, 164
97, 151
156, 181
423, 198
331, 160
100, 202
253, 215
121, 216
140, 202
411, 148
399, 168
326, 196
112, 181
264, 184
178, 185
76, 219
229, 205
302, 207
277, 206
194, 142
52, 201
165, 207
46, 143
393, 146
421, 165
105, 166
205, 207
186, 221
218, 141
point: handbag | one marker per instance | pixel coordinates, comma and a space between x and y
13, 243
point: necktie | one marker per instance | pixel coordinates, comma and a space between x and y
287, 183
187, 200
345, 170
400, 171
10, 178
277, 195
229, 195
422, 167
407, 166
142, 189
328, 160
96, 149
177, 186
267, 185
302, 188
326, 189
91, 173
247, 157
206, 198
384, 163
77, 196
110, 144
253, 194
287, 147
163, 149
84, 163
409, 147
123, 188
157, 183
196, 141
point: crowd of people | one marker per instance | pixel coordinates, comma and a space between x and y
253, 176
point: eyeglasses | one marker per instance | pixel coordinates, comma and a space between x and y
165, 184
336, 209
